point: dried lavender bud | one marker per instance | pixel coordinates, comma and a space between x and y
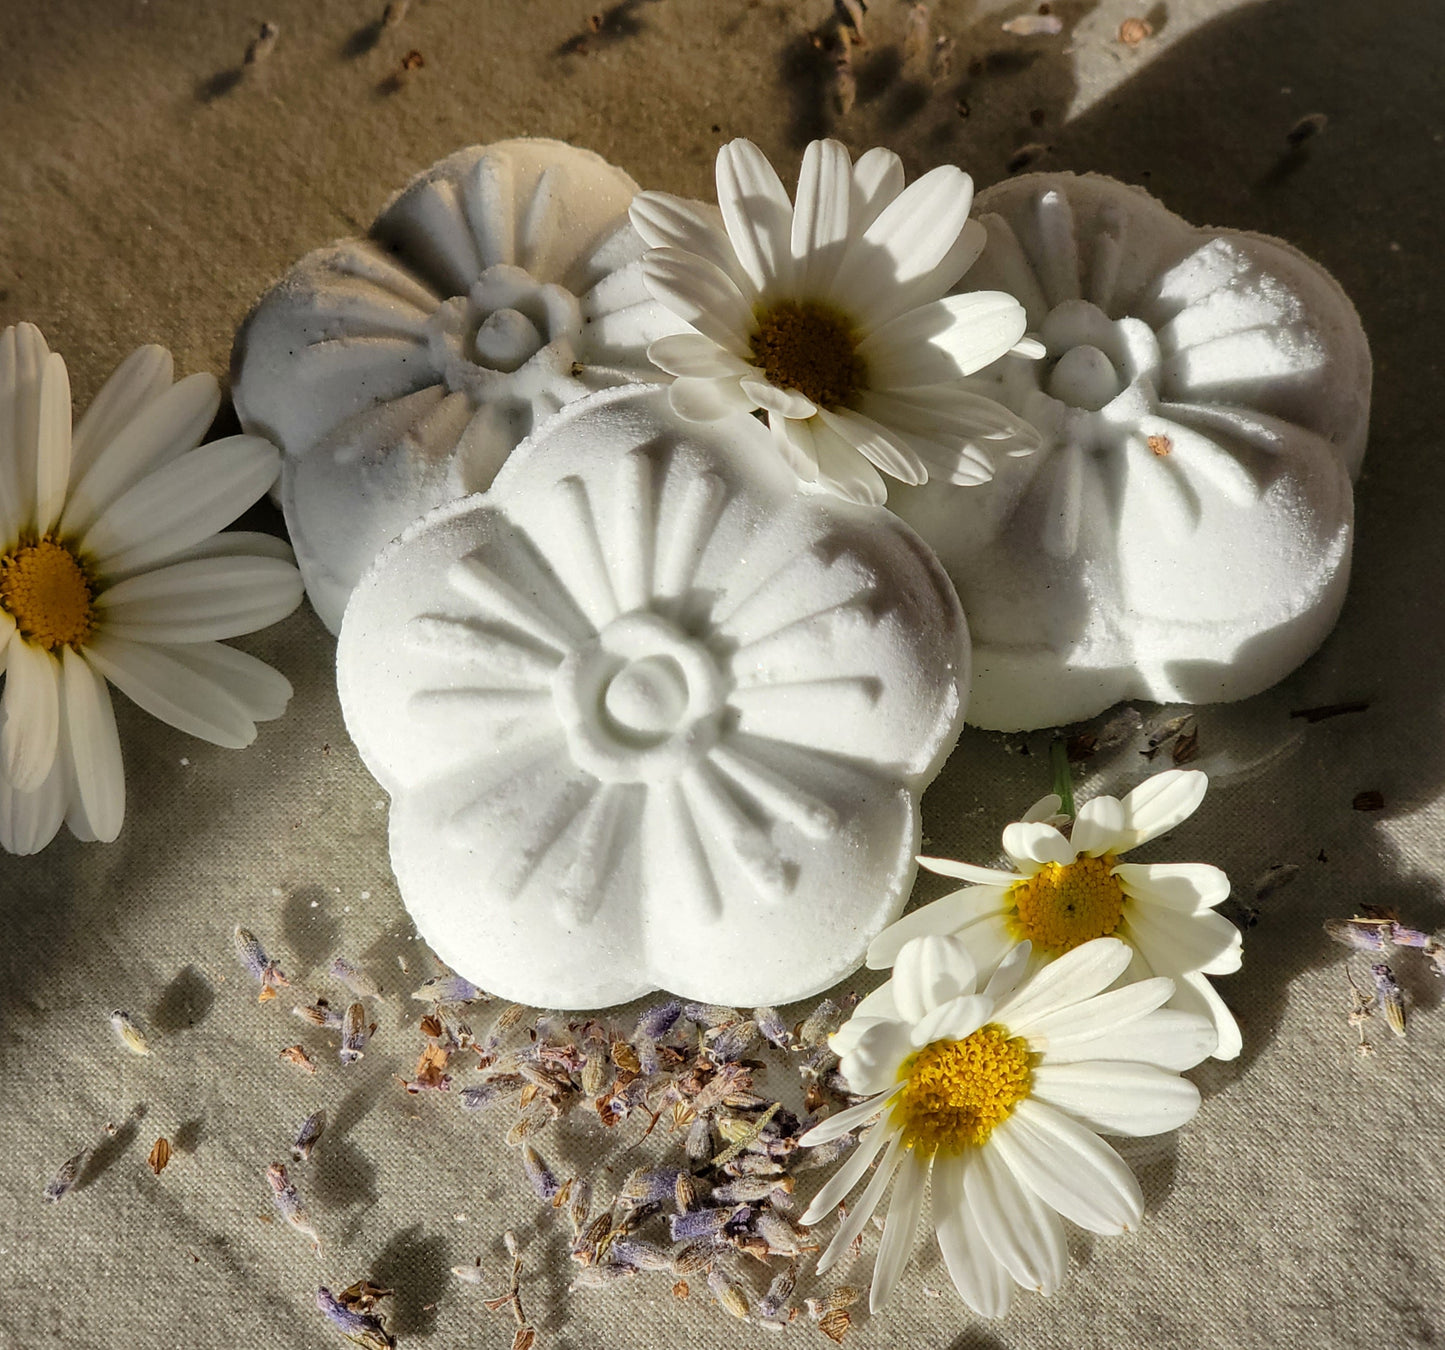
363, 1328
471, 1274
821, 1023
485, 1095
748, 1189
656, 1022
773, 1029
538, 1173
319, 1014
1391, 996
449, 989
360, 984
1410, 937
742, 1133
649, 1185
262, 45
1364, 935
781, 1236
353, 1034
699, 1140
288, 1203
596, 1073
728, 1292
686, 1192
128, 1033
733, 1042
394, 12
298, 1056
709, 1014
825, 1155
699, 1223
639, 1254
63, 1182
692, 1257
253, 956
753, 1165
774, 1303
307, 1136
601, 1277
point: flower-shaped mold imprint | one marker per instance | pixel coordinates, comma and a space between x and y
650, 717
400, 370
1184, 532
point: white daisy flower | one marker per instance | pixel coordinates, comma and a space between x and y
831, 313
995, 1098
111, 568
1065, 891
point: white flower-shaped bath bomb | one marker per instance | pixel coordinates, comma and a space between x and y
399, 371
650, 717
1184, 532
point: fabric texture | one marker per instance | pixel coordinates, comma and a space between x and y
152, 186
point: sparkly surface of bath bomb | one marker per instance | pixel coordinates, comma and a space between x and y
650, 717
1184, 532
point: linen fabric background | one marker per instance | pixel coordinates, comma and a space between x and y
151, 187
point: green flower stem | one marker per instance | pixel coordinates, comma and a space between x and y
1063, 779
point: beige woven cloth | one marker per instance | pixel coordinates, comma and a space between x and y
150, 188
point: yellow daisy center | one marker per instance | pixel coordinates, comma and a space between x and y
810, 347
1064, 905
958, 1091
44, 588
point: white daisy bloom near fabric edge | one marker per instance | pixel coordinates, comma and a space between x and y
1165, 912
112, 569
996, 1097
831, 314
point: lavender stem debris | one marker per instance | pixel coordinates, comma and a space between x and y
128, 1033
360, 1327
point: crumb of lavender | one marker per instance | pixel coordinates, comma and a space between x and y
63, 1182
128, 1033
360, 1326
288, 1204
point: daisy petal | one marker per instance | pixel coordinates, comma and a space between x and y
930, 971
52, 457
665, 221
1160, 803
163, 429
877, 180
843, 470
1113, 1098
1023, 1234
1167, 1038
1194, 994
701, 294
859, 1215
1095, 1015
94, 747
692, 354
1031, 844
1010, 971
206, 600
237, 544
1069, 1168
848, 1175
1077, 975
900, 1229
1046, 808
697, 400
1097, 826
1188, 887
796, 444
1174, 943
779, 402
30, 707
192, 498
260, 690
983, 876
948, 914
835, 1127
30, 820
167, 689
757, 213
871, 1065
878, 444
981, 1281
952, 1021
22, 370
821, 216
906, 240
942, 341
140, 379
945, 274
